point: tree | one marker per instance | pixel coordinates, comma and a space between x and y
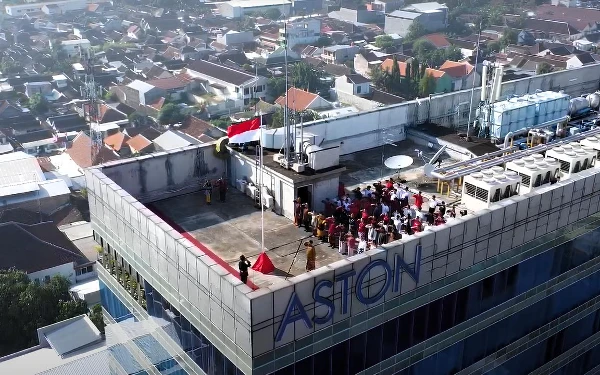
305, 77
492, 47
97, 318
272, 14
509, 36
170, 114
38, 104
111, 96
395, 77
415, 31
277, 119
137, 118
9, 66
427, 85
543, 68
27, 306
384, 41
323, 42
276, 87
453, 54
423, 50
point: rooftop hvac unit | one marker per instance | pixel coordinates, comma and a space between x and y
533, 173
482, 190
572, 160
592, 142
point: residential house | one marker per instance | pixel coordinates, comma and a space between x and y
19, 10
138, 94
299, 100
438, 40
550, 29
311, 51
9, 110
435, 14
183, 53
175, 87
307, 6
68, 123
583, 44
36, 143
233, 37
42, 251
443, 81
76, 48
432, 16
353, 84
304, 31
42, 88
580, 59
467, 48
463, 74
584, 20
360, 15
226, 82
139, 145
365, 61
172, 139
80, 151
338, 54
118, 143
239, 8
205, 131
385, 6
134, 32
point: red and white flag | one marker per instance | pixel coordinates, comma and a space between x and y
246, 131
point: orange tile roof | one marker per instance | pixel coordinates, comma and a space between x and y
116, 141
456, 69
298, 100
138, 143
158, 103
438, 40
81, 152
387, 65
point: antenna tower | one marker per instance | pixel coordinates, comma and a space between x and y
91, 106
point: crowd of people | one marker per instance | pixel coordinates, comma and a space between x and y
366, 218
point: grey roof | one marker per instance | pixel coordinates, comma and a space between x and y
170, 140
140, 86
75, 335
404, 14
426, 7
357, 79
19, 173
337, 47
220, 72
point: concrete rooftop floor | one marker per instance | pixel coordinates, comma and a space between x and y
233, 228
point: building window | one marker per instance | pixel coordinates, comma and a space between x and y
358, 89
46, 279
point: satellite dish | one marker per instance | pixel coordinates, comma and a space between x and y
398, 162
428, 168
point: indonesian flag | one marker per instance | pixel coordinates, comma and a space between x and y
246, 131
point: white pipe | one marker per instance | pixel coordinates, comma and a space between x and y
499, 83
484, 73
477, 164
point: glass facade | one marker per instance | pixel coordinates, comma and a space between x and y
200, 350
403, 333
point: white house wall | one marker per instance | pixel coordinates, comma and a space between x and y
65, 270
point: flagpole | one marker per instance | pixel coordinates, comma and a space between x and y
262, 188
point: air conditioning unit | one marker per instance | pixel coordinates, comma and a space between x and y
277, 157
299, 167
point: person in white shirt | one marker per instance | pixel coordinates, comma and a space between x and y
398, 222
433, 203
367, 192
385, 209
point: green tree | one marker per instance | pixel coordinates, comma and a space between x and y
277, 119
137, 118
415, 31
509, 36
97, 318
38, 104
9, 66
384, 41
305, 77
272, 14
111, 96
427, 85
27, 306
453, 53
323, 42
380, 78
423, 50
276, 87
492, 47
170, 114
543, 68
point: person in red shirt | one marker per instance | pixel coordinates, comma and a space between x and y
332, 234
416, 224
389, 184
418, 200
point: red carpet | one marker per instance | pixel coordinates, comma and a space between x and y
263, 264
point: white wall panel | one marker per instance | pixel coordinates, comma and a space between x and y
304, 285
341, 267
497, 218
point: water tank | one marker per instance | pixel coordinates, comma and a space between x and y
594, 100
577, 105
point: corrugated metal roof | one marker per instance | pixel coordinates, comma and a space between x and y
19, 173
